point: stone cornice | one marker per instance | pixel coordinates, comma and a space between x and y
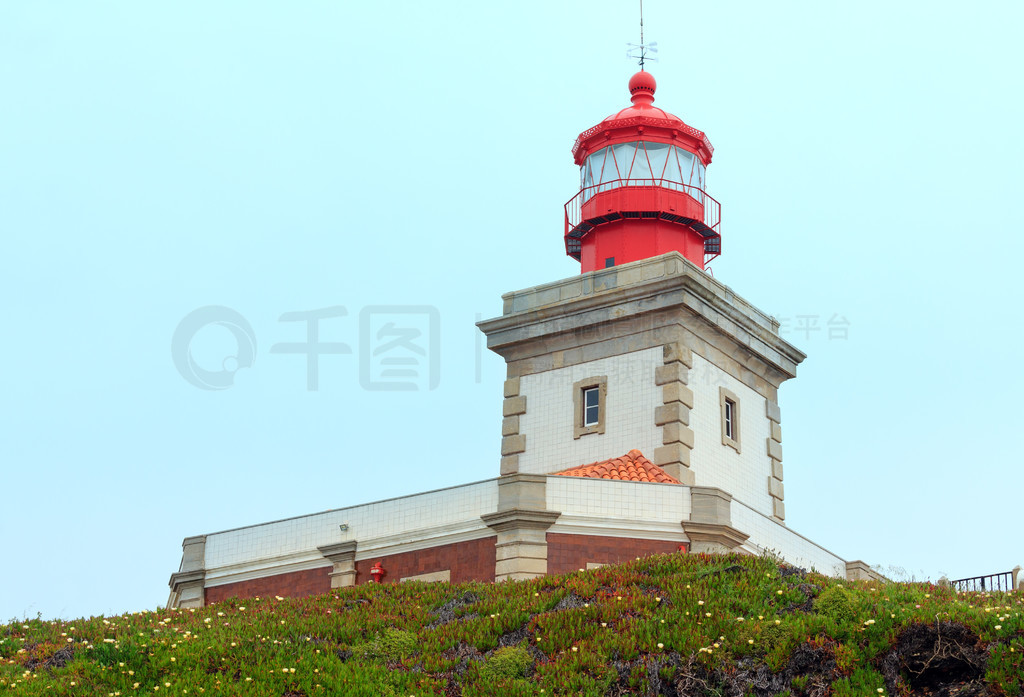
340, 551
378, 548
517, 518
725, 535
618, 527
248, 573
180, 578
638, 289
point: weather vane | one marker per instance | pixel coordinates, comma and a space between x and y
641, 50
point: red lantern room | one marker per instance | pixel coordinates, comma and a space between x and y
642, 177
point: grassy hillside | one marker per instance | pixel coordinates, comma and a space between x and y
671, 625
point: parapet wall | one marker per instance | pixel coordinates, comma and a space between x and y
442, 535
393, 526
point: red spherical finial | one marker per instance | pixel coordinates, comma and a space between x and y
641, 87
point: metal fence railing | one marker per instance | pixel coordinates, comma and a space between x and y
992, 582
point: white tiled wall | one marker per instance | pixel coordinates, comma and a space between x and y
575, 496
412, 515
629, 420
744, 474
795, 549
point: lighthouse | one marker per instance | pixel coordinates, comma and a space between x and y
640, 411
642, 188
642, 368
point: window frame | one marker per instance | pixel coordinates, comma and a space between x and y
730, 418
579, 392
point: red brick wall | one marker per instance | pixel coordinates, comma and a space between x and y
572, 552
295, 584
468, 561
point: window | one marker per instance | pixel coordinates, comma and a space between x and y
588, 398
643, 163
591, 405
609, 262
730, 405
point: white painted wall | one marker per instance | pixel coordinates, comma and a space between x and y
796, 549
744, 474
618, 501
631, 400
408, 517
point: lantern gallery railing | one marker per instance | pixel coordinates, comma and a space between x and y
707, 222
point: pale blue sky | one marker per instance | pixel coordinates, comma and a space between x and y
156, 158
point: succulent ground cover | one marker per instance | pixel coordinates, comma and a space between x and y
666, 625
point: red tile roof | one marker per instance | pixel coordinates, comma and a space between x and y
631, 467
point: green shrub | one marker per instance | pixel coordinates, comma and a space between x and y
397, 643
835, 604
778, 643
772, 635
508, 662
389, 645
